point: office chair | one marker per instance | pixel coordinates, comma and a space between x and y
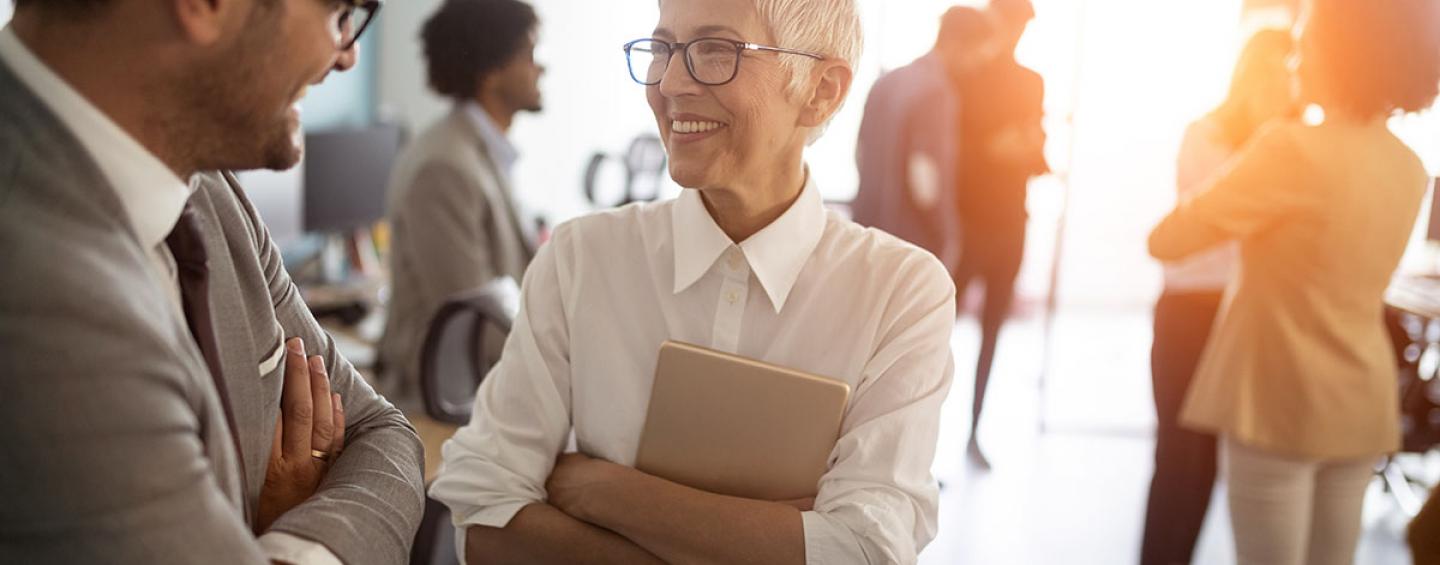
1416, 349
453, 363
644, 168
453, 360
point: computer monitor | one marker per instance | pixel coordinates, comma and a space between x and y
1433, 234
276, 197
346, 174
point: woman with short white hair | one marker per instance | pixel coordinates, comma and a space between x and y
746, 261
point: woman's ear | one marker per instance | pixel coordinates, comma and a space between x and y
832, 85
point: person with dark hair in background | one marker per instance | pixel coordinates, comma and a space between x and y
1001, 147
1298, 378
159, 403
908, 143
1185, 460
456, 224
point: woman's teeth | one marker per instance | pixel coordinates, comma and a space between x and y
694, 127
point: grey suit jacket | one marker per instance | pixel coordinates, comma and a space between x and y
114, 445
455, 228
911, 113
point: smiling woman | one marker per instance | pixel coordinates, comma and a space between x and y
747, 261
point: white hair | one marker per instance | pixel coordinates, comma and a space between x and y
827, 27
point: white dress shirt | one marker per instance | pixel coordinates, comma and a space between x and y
504, 154
496, 144
152, 197
811, 291
1203, 156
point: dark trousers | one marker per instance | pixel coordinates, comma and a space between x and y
1184, 460
991, 253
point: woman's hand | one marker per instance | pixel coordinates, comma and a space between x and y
580, 483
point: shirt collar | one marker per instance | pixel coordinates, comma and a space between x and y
150, 193
776, 254
499, 146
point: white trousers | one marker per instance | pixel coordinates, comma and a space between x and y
1288, 511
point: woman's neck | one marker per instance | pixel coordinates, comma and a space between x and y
743, 210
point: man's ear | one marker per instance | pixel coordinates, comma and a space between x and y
205, 22
832, 84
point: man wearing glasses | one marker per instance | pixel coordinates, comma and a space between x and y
451, 204
159, 405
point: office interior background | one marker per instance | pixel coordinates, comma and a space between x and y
1070, 419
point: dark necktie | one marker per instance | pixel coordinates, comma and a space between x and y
193, 271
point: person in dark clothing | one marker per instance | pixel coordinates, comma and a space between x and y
1001, 148
1185, 460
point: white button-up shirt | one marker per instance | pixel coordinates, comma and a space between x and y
811, 291
152, 197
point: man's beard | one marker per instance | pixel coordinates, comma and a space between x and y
232, 121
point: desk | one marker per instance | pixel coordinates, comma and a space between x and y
1413, 320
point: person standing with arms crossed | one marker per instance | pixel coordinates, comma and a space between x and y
1185, 460
1298, 379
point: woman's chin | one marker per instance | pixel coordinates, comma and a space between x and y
689, 175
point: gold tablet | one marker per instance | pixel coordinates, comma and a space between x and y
731, 425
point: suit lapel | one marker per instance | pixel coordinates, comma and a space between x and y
187, 244
499, 189
246, 337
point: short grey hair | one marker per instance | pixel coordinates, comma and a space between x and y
828, 27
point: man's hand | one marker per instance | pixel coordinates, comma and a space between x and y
309, 434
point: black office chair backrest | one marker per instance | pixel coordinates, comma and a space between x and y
643, 169
454, 358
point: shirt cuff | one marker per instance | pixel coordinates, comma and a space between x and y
286, 548
497, 516
827, 541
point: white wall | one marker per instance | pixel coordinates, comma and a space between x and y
5, 10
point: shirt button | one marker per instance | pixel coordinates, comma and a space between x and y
731, 297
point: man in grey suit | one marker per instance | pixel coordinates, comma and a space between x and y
157, 404
456, 224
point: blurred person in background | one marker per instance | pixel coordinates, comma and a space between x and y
1298, 378
457, 225
1002, 145
908, 142
1185, 460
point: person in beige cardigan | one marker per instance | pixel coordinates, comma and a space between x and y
1298, 379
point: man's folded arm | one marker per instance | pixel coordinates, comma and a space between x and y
371, 501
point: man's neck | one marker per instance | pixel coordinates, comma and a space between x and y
499, 112
89, 65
